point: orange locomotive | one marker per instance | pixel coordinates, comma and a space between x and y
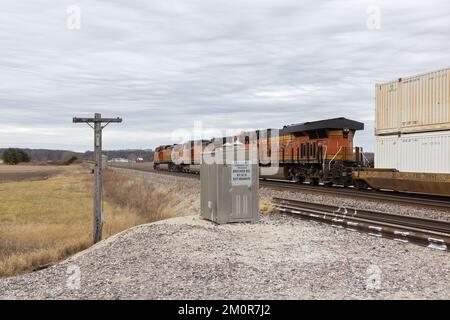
180, 157
163, 156
319, 151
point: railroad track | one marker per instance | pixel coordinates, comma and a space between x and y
427, 201
165, 172
435, 202
434, 234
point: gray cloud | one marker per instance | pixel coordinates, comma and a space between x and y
162, 65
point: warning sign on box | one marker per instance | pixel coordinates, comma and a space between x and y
241, 173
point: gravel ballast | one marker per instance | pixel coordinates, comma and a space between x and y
281, 257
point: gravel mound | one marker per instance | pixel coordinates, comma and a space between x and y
280, 257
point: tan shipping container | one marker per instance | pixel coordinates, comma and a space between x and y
414, 104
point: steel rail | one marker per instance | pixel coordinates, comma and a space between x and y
431, 233
412, 221
407, 198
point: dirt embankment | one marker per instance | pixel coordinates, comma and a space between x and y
27, 172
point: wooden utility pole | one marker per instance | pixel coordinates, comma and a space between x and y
97, 126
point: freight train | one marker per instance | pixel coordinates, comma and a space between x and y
319, 152
412, 143
314, 152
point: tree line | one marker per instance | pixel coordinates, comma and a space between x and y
14, 156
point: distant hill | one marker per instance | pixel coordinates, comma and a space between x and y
60, 156
46, 155
130, 154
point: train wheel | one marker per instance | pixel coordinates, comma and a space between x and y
361, 184
296, 178
314, 181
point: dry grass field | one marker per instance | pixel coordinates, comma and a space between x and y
43, 221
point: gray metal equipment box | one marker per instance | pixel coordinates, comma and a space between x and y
229, 188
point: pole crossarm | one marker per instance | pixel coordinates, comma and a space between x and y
93, 120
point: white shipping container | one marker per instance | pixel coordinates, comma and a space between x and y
386, 152
418, 152
414, 104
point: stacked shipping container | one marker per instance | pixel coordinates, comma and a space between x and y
417, 152
413, 123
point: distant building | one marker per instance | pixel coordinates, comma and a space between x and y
139, 159
120, 160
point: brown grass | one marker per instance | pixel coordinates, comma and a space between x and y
266, 206
137, 196
42, 222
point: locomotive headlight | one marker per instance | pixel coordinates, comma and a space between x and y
345, 132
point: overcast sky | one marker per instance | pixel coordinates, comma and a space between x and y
162, 65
